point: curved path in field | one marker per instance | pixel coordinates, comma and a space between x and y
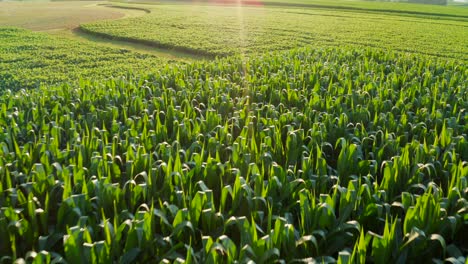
129, 11
64, 18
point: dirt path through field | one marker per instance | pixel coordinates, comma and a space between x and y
63, 19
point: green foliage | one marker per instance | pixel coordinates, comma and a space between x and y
221, 30
29, 59
335, 155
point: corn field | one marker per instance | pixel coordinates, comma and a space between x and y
329, 155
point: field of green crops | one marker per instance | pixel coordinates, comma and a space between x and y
227, 30
352, 149
400, 7
336, 155
28, 59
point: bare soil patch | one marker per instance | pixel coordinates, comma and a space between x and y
42, 16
